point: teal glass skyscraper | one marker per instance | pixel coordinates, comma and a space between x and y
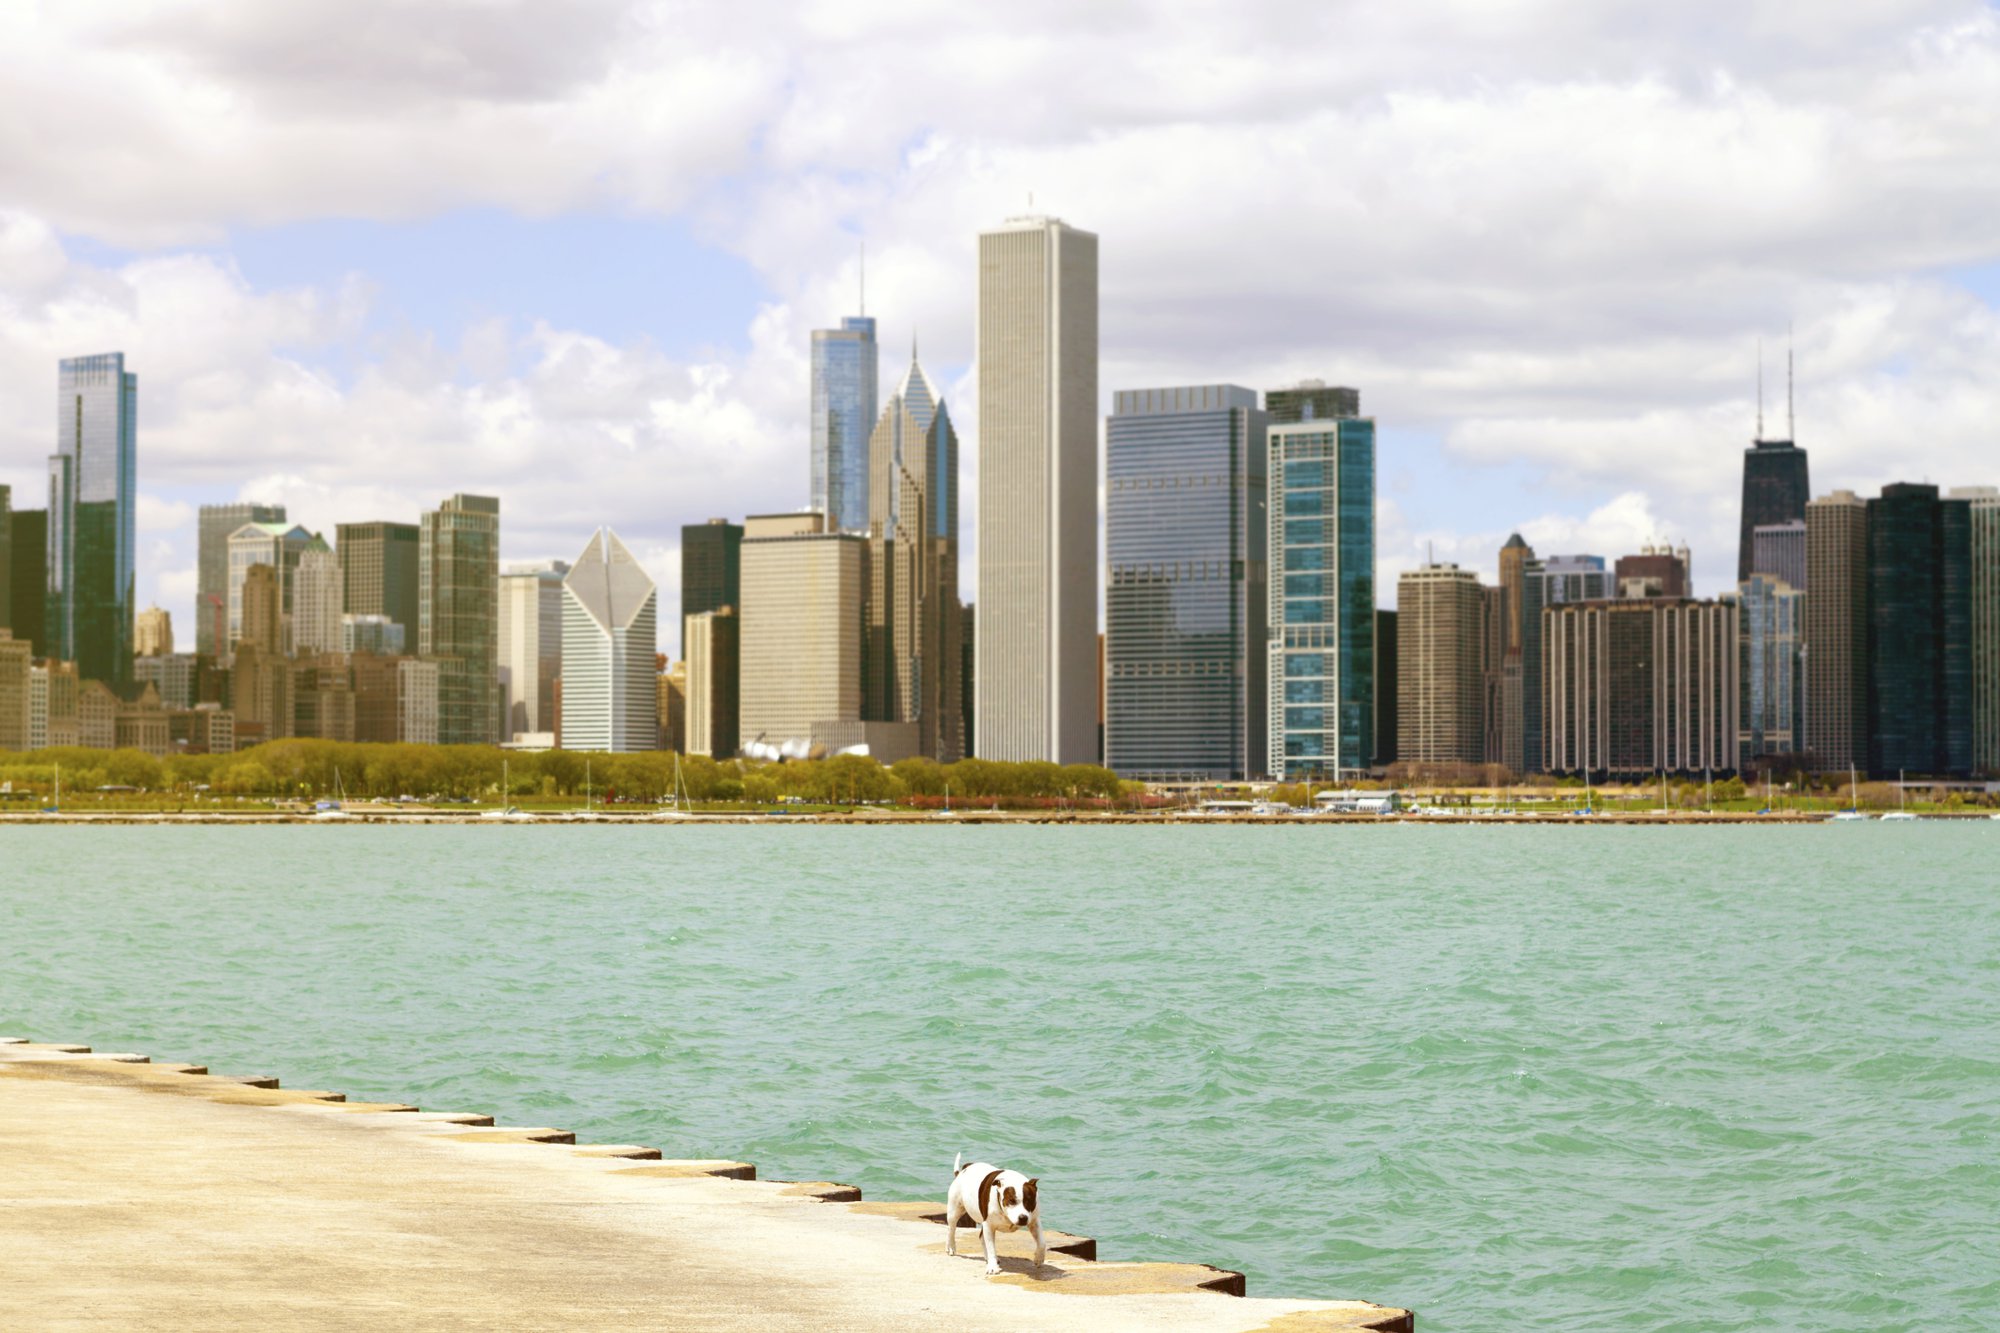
844, 388
1321, 661
93, 491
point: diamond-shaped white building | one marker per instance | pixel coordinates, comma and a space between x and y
610, 700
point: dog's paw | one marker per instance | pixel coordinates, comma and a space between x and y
993, 1270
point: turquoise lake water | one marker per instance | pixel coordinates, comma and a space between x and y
1566, 1078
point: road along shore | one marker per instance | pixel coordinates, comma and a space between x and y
136, 1194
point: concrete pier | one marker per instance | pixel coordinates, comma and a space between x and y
135, 1194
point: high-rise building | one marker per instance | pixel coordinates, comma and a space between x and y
1773, 627
458, 615
1440, 659
910, 661
968, 657
1522, 587
1919, 632
1320, 637
1779, 549
380, 574
711, 566
372, 634
153, 633
323, 697
281, 548
610, 631
93, 495
1573, 578
531, 645
1310, 400
1985, 502
672, 687
316, 600
259, 599
1775, 490
417, 701
28, 578
712, 673
6, 557
1836, 632
804, 603
172, 676
1037, 359
16, 668
215, 526
844, 388
1640, 686
1185, 598
1657, 571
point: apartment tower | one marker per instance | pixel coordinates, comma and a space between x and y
93, 494
1836, 632
1985, 502
1037, 359
458, 615
844, 388
1919, 632
1440, 616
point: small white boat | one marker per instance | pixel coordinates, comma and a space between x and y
1848, 817
512, 813
1899, 817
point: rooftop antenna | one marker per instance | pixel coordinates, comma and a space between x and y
1760, 390
1791, 428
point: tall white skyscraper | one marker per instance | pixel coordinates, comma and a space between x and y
610, 634
316, 587
531, 630
1036, 643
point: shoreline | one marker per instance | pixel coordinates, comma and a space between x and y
931, 819
135, 1182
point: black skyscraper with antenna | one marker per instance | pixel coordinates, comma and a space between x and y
1775, 482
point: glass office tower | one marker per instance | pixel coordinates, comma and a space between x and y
93, 491
1185, 601
1919, 632
844, 387
1322, 597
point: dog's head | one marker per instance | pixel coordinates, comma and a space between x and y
1017, 1200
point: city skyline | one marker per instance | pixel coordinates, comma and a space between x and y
1543, 333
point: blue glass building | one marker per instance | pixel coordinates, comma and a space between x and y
1322, 656
93, 493
1184, 605
844, 387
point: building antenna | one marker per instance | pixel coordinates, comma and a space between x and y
1791, 425
1760, 390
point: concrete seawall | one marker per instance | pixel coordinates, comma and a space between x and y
167, 1196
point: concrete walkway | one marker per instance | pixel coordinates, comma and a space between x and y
151, 1195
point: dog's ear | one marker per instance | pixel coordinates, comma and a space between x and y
1028, 1195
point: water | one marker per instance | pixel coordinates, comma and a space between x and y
1603, 1078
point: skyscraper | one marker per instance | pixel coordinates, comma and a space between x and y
1185, 599
610, 697
379, 571
1440, 616
911, 664
1037, 358
1657, 571
1919, 632
6, 557
531, 645
1836, 632
1311, 400
1773, 623
844, 389
1573, 578
711, 567
215, 526
1779, 549
1641, 686
804, 593
712, 649
1320, 636
281, 547
1520, 658
28, 575
153, 633
458, 614
1985, 502
93, 494
316, 600
1775, 490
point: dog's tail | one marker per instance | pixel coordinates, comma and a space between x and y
957, 1165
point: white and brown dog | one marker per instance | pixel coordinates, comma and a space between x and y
995, 1200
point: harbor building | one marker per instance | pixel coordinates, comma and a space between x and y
845, 383
1185, 596
1441, 618
1642, 686
458, 615
1919, 717
531, 645
1836, 632
380, 571
214, 526
610, 634
1320, 653
93, 498
1038, 477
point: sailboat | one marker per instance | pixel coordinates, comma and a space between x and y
947, 812
56, 807
511, 813
333, 809
586, 813
1900, 815
679, 797
1852, 812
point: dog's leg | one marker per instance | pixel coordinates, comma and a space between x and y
951, 1216
1041, 1250
992, 1255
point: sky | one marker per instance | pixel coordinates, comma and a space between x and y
366, 254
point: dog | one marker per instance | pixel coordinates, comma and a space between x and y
997, 1201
